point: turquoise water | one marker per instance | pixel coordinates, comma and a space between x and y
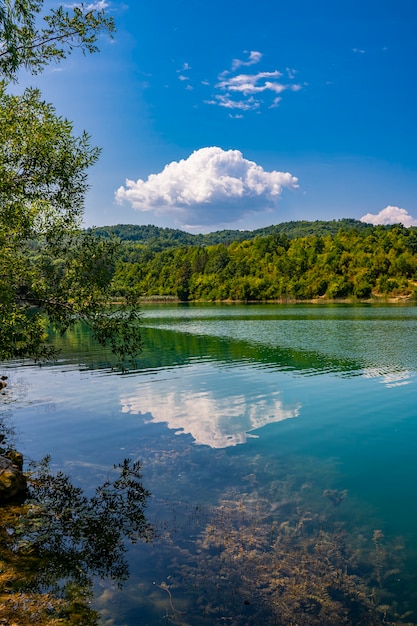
251, 410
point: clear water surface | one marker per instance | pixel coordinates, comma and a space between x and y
272, 411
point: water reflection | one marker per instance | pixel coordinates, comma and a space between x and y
389, 377
216, 416
57, 540
344, 340
341, 339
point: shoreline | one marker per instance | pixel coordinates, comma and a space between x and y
405, 299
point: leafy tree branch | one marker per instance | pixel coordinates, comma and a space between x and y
26, 44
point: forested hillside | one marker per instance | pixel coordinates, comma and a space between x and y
159, 238
330, 260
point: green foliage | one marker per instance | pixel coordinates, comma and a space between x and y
157, 238
24, 43
43, 167
50, 271
357, 263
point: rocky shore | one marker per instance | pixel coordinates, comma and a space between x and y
12, 478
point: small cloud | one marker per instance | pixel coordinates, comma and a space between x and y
228, 103
185, 68
390, 215
275, 102
100, 5
252, 83
358, 51
213, 186
182, 76
252, 91
254, 57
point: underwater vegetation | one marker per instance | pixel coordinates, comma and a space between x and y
245, 561
280, 557
271, 551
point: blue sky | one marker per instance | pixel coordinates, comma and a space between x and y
238, 114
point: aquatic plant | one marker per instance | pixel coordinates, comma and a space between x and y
258, 563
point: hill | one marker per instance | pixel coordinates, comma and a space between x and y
159, 238
293, 260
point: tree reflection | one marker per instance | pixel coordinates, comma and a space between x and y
54, 543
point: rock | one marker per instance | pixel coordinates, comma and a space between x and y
15, 457
12, 479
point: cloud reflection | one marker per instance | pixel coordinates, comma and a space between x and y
389, 378
212, 418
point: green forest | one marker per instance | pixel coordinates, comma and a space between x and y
340, 259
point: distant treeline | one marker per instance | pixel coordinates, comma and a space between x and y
159, 238
294, 260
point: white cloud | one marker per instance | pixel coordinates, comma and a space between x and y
181, 73
254, 57
251, 91
247, 83
390, 215
225, 101
100, 5
212, 186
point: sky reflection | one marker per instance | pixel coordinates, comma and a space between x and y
218, 417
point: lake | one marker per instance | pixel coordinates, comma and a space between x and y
278, 443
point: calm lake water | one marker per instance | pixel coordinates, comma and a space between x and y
266, 433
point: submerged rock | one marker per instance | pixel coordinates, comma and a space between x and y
12, 479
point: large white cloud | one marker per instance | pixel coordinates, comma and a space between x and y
212, 186
390, 215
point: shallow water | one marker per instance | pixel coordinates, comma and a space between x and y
252, 410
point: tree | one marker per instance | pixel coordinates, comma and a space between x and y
25, 44
50, 270
46, 261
